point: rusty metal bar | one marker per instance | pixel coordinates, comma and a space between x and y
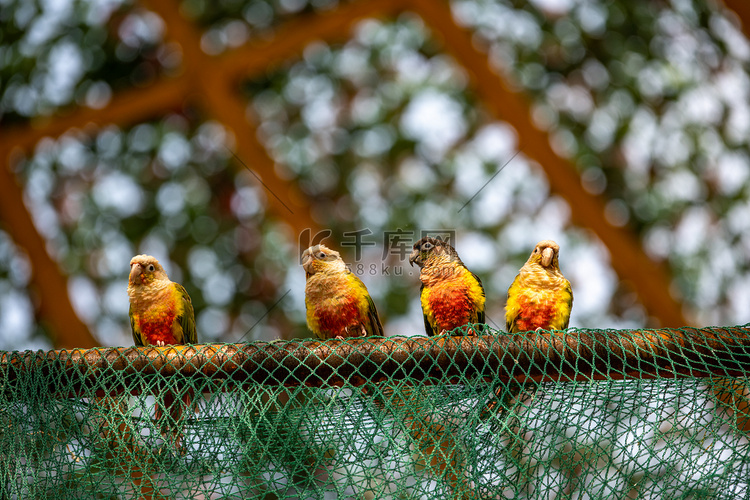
539, 356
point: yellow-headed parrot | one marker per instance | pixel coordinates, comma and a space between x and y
540, 296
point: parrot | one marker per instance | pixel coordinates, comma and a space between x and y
450, 294
540, 298
337, 302
161, 313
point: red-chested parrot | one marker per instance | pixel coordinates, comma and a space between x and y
161, 313
451, 295
540, 296
338, 303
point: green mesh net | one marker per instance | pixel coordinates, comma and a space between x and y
582, 414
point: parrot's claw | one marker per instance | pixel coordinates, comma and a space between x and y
339, 337
160, 343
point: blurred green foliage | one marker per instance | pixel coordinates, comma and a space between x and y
383, 133
649, 99
57, 54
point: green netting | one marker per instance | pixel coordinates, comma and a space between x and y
585, 414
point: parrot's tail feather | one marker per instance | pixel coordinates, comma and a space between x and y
173, 405
188, 399
507, 396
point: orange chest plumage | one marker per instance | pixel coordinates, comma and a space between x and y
450, 308
531, 305
156, 321
336, 318
453, 300
535, 312
336, 305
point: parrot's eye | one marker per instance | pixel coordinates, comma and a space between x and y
151, 268
427, 246
322, 255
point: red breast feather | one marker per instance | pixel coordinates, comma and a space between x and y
451, 296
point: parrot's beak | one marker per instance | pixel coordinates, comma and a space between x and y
547, 255
414, 257
307, 263
135, 273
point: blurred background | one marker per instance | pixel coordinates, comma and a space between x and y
223, 137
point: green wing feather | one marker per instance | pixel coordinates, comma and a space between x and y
373, 326
480, 311
512, 314
137, 339
569, 291
187, 318
428, 327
